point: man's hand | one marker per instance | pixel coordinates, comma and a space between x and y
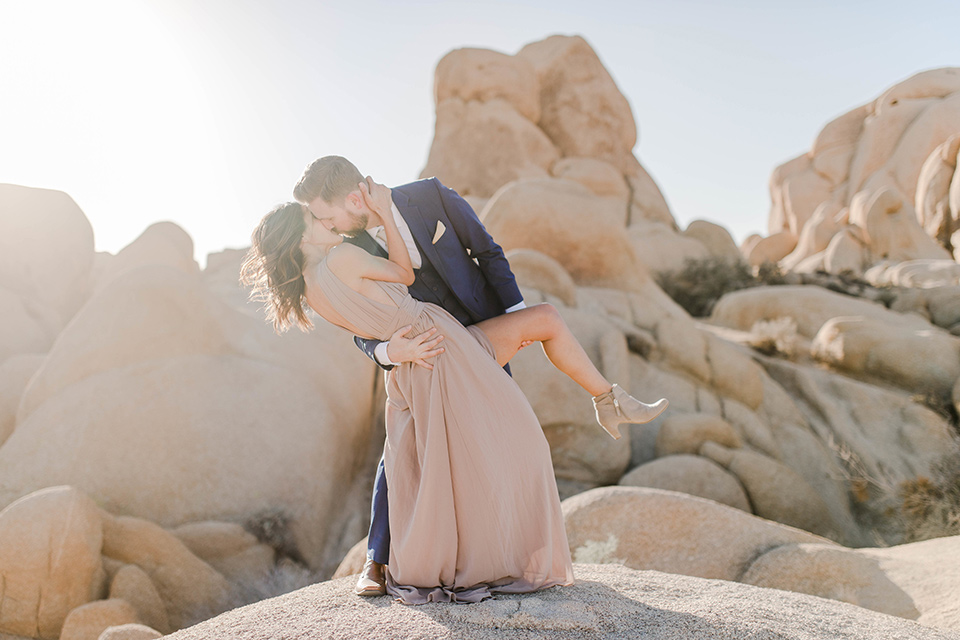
376, 196
415, 350
526, 343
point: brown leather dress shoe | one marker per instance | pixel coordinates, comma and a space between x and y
372, 581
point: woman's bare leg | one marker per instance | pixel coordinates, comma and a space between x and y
544, 323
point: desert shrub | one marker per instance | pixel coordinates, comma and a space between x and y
770, 273
272, 527
941, 403
930, 507
777, 337
900, 511
699, 283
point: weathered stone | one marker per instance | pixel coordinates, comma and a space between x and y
132, 584
88, 621
686, 432
773, 248
690, 474
716, 239
50, 562
667, 531
480, 146
540, 271
191, 590
15, 373
919, 360
484, 75
46, 249
566, 221
129, 631
776, 491
602, 178
583, 112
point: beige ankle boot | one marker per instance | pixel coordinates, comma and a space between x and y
617, 406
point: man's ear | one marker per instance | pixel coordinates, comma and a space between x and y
355, 198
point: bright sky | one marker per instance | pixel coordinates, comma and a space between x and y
206, 112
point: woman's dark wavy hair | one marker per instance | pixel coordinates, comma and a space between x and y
273, 267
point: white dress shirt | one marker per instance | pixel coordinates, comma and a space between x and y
381, 239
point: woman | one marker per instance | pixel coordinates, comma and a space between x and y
474, 507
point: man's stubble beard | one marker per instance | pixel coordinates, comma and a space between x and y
360, 225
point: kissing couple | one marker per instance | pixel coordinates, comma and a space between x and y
473, 507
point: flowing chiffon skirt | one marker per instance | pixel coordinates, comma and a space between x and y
473, 502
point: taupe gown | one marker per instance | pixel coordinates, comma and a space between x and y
473, 502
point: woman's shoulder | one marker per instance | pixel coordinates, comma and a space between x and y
345, 252
345, 257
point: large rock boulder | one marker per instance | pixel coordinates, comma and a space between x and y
911, 581
667, 531
569, 223
483, 75
919, 360
15, 373
607, 601
583, 112
504, 146
809, 306
876, 162
536, 270
133, 585
600, 177
690, 474
50, 544
933, 203
46, 249
776, 491
686, 432
191, 589
827, 220
88, 621
160, 244
660, 248
891, 226
715, 238
130, 631
226, 455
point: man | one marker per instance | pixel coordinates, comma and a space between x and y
458, 266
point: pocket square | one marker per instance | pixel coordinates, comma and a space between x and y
439, 232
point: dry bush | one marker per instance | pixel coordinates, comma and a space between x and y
699, 283
902, 511
930, 507
777, 337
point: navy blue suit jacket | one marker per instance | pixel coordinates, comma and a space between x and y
467, 259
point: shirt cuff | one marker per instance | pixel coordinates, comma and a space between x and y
380, 353
518, 306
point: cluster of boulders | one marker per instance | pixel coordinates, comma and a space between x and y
164, 456
878, 189
674, 533
157, 392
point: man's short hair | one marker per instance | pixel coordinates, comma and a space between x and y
330, 178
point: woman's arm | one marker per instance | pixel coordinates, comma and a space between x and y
377, 197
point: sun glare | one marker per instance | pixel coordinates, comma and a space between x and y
100, 101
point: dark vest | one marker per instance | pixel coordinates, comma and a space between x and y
428, 285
